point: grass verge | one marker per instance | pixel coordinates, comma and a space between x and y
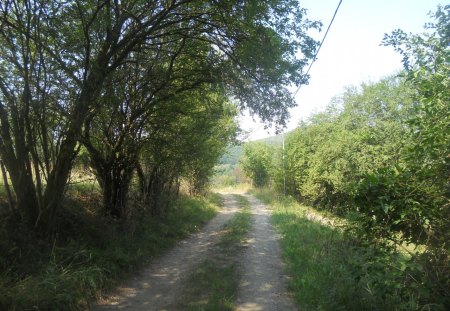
69, 273
213, 285
331, 269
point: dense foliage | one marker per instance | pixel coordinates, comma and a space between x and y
381, 153
143, 87
257, 162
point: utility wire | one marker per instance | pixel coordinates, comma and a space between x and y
323, 39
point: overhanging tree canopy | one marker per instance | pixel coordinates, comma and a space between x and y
55, 57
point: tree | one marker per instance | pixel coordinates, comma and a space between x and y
144, 97
58, 57
257, 163
361, 131
425, 206
425, 59
410, 203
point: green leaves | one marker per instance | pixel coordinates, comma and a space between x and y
364, 130
382, 153
101, 72
257, 163
418, 190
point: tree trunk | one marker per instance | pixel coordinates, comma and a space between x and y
114, 179
27, 202
159, 190
141, 177
7, 189
57, 180
115, 188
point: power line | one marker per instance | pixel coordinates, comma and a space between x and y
323, 39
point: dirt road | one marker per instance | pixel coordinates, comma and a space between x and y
262, 285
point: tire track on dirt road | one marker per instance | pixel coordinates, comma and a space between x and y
158, 286
263, 284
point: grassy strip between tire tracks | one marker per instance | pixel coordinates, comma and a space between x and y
213, 285
66, 275
331, 269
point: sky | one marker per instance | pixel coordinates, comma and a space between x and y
351, 53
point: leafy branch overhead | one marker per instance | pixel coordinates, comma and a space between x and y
109, 77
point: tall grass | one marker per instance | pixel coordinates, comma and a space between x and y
94, 254
331, 270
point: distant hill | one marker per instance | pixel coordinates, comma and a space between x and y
234, 153
272, 140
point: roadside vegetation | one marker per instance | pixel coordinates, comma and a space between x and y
113, 115
331, 268
92, 256
378, 156
213, 285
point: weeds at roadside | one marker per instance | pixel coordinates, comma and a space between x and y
67, 274
332, 270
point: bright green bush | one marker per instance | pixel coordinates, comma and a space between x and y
381, 152
257, 163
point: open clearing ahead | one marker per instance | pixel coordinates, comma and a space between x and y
262, 284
